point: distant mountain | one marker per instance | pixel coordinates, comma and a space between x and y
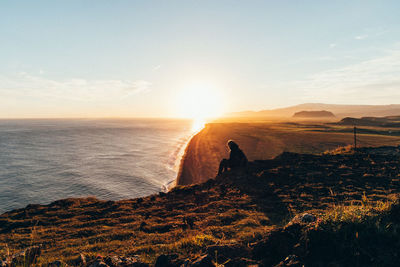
390, 121
313, 114
340, 111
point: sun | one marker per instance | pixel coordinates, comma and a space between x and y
200, 101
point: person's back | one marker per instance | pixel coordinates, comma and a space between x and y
237, 159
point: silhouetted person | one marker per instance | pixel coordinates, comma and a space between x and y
237, 159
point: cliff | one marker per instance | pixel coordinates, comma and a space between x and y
237, 218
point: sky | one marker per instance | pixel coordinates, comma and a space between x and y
145, 58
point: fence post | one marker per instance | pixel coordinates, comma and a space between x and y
355, 138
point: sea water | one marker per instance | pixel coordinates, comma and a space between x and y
45, 160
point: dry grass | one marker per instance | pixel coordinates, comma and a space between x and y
235, 208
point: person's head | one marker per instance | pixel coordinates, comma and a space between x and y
232, 145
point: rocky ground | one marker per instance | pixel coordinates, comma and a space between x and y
297, 209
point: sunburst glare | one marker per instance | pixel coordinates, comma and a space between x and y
200, 102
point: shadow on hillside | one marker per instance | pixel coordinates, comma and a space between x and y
262, 194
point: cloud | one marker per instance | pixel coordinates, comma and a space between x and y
333, 45
24, 84
361, 37
157, 67
371, 81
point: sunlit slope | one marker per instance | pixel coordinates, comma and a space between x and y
265, 141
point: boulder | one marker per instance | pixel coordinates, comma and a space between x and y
307, 218
303, 218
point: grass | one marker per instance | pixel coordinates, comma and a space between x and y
349, 149
358, 235
358, 213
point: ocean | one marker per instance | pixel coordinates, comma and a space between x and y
43, 160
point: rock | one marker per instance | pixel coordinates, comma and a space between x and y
203, 261
303, 218
116, 261
307, 218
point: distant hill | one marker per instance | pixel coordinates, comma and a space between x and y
313, 114
340, 111
389, 121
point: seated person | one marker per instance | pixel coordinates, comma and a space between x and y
237, 159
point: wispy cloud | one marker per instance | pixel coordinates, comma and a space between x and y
371, 81
24, 84
361, 37
156, 67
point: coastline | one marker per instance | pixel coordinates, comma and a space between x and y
183, 159
202, 155
179, 162
183, 169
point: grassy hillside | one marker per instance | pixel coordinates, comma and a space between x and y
237, 218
